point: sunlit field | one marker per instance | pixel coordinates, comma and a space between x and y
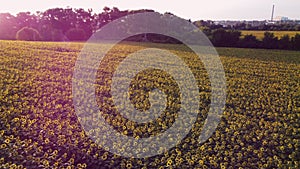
39, 127
260, 34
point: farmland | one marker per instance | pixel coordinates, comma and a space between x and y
39, 127
260, 34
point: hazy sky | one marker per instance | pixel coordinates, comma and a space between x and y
188, 9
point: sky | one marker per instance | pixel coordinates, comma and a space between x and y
187, 9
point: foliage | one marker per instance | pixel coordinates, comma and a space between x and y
39, 127
230, 38
76, 34
53, 24
7, 26
284, 42
260, 34
221, 37
270, 41
249, 41
62, 24
296, 42
28, 34
251, 26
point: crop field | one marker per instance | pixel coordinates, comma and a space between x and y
260, 34
39, 127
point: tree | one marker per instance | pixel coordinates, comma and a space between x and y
284, 42
28, 34
270, 41
249, 41
234, 37
221, 37
76, 34
84, 20
296, 42
218, 37
8, 26
26, 19
59, 18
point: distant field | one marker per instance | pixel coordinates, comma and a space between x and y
40, 129
279, 34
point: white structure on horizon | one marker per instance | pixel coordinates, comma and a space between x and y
281, 18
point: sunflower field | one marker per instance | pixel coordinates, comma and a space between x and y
39, 127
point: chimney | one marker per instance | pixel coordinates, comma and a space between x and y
272, 13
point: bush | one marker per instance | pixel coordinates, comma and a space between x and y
284, 42
57, 35
296, 42
76, 34
223, 38
28, 34
270, 41
249, 41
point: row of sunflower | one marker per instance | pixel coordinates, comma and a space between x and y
39, 127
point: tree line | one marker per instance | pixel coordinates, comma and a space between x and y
250, 25
68, 24
233, 38
58, 24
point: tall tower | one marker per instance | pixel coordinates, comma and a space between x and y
272, 13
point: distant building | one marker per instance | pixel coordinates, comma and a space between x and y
281, 18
